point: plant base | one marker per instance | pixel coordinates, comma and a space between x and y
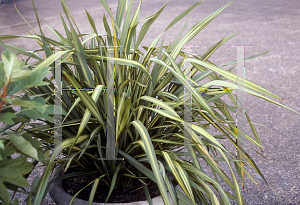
60, 197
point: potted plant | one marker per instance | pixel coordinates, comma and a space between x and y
150, 106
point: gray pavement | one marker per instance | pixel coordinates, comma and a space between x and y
263, 24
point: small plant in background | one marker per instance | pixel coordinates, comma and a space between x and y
149, 110
17, 145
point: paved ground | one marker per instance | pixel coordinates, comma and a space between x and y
263, 24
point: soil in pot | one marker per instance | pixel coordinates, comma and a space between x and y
134, 193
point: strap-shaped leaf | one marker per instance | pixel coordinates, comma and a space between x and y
235, 183
206, 178
175, 172
107, 29
233, 77
248, 58
120, 61
105, 5
198, 98
163, 113
81, 57
43, 184
120, 12
196, 29
160, 104
147, 25
228, 84
22, 51
148, 148
183, 14
87, 113
93, 191
126, 22
85, 98
114, 179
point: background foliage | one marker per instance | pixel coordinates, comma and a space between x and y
17, 146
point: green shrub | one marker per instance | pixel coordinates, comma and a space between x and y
16, 144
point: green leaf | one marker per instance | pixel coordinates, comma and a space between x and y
27, 102
6, 37
138, 165
58, 36
24, 103
175, 173
34, 80
164, 113
54, 58
196, 29
87, 114
43, 184
29, 146
206, 178
126, 21
23, 51
237, 190
146, 191
104, 4
81, 57
42, 111
160, 104
147, 25
122, 114
248, 58
120, 61
2, 73
35, 114
114, 179
253, 129
15, 202
185, 179
232, 77
107, 29
198, 98
7, 118
67, 31
13, 67
93, 191
68, 13
120, 12
34, 184
169, 95
228, 84
11, 171
85, 98
183, 14
148, 148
